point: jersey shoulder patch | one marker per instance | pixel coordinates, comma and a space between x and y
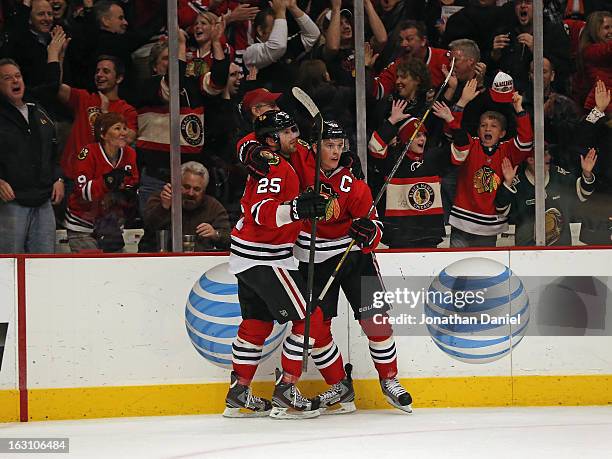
272, 158
562, 171
83, 153
303, 143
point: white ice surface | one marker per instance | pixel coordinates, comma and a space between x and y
555, 432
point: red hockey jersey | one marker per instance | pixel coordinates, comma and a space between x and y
349, 198
384, 84
188, 11
85, 203
481, 174
86, 108
265, 233
199, 65
302, 161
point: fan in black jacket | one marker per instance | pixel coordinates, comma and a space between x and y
563, 191
30, 177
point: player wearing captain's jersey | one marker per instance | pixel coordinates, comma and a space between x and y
269, 285
346, 218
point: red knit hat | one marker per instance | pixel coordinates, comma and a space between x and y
408, 128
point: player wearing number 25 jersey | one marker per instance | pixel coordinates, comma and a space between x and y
270, 288
265, 234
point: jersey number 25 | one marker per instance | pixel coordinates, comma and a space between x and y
269, 185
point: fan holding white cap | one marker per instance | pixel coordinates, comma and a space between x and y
502, 88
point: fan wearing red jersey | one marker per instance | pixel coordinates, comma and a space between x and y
346, 218
269, 285
105, 173
86, 107
474, 219
413, 42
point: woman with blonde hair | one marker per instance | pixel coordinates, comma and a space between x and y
200, 55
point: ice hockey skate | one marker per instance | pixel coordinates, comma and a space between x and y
289, 403
241, 403
396, 395
339, 398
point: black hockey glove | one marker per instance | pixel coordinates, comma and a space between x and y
114, 178
257, 166
308, 205
363, 230
351, 161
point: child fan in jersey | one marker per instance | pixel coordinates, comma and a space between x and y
413, 213
474, 219
105, 172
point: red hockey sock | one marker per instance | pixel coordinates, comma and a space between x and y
291, 360
327, 356
382, 347
247, 348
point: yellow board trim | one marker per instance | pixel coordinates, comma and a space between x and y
9, 406
177, 399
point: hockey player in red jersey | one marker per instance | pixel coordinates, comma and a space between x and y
269, 285
474, 219
100, 169
257, 166
346, 218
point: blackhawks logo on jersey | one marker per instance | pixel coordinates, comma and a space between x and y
83, 154
332, 208
486, 180
192, 130
197, 67
421, 196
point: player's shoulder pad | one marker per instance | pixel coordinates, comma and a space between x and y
272, 158
83, 153
562, 171
304, 143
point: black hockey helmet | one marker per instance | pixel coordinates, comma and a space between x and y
331, 130
270, 123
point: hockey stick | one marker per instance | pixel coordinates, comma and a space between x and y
380, 194
307, 102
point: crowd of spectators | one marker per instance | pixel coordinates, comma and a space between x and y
84, 113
